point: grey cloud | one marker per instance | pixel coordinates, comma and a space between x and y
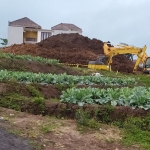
117, 21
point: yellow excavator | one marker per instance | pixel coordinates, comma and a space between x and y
104, 61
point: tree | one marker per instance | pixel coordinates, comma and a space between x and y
4, 41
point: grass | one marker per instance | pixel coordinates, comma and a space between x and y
136, 136
136, 131
34, 91
48, 127
85, 122
13, 101
145, 79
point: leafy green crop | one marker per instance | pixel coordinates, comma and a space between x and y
29, 58
28, 77
134, 97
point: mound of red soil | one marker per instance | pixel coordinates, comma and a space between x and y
122, 64
73, 42
70, 48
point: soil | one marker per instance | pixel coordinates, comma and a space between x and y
35, 67
122, 64
63, 134
54, 108
71, 49
48, 91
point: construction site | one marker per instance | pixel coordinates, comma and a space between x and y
71, 49
57, 94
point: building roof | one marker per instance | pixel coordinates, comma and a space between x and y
25, 22
66, 27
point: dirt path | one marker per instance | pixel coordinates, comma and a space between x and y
54, 134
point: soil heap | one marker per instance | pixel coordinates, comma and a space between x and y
70, 48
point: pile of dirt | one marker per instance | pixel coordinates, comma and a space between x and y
73, 42
122, 64
70, 48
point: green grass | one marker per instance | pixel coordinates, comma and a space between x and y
34, 91
49, 127
13, 101
85, 122
136, 136
136, 131
145, 79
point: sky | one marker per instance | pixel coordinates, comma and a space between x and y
117, 21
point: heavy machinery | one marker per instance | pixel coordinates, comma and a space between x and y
104, 61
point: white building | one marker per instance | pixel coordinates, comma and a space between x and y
25, 30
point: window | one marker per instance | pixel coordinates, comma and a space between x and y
45, 35
31, 39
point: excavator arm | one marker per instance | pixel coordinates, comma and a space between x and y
110, 52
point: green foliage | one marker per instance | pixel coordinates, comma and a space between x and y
29, 58
28, 77
48, 127
39, 104
134, 97
144, 79
136, 136
62, 86
84, 119
13, 101
140, 123
34, 92
4, 41
103, 114
136, 131
92, 123
38, 100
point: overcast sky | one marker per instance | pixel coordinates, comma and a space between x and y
126, 21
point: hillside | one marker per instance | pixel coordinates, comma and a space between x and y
72, 49
60, 107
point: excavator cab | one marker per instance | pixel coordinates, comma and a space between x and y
147, 66
100, 63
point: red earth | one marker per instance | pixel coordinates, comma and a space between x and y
72, 49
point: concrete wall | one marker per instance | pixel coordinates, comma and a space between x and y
15, 35
55, 32
39, 36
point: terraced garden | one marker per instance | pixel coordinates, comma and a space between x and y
73, 93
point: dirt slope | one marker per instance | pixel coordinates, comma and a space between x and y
35, 67
70, 48
61, 134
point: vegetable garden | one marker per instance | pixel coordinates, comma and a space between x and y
136, 97
29, 58
107, 98
28, 77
